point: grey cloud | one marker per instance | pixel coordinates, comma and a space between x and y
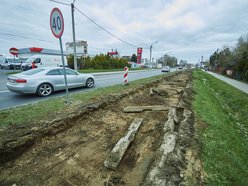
187, 28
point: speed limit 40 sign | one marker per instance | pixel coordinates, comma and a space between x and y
57, 27
57, 22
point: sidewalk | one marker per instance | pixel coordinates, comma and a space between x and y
237, 84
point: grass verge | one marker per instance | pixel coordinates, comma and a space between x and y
93, 70
224, 135
48, 109
108, 70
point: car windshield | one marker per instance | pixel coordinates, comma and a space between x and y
33, 71
31, 59
12, 60
22, 60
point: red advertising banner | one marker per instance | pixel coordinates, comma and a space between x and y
113, 53
139, 55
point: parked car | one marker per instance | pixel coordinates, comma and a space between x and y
14, 64
9, 62
46, 80
165, 69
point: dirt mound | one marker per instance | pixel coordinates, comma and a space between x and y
72, 150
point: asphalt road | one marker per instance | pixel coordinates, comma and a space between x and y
9, 99
237, 84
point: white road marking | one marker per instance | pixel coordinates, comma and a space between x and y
4, 91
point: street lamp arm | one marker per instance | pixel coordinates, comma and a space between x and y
151, 52
154, 42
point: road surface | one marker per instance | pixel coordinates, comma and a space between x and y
9, 99
237, 84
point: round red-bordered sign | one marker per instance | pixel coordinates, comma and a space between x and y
57, 23
14, 51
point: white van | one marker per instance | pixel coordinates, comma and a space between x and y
43, 61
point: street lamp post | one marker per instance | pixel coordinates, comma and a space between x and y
151, 53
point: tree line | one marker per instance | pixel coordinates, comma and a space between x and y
234, 59
101, 61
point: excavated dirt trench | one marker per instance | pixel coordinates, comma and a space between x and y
75, 154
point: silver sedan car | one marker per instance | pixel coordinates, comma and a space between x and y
44, 81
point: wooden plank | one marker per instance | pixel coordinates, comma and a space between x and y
121, 146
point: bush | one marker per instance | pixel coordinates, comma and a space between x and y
98, 62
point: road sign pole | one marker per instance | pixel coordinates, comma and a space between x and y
66, 85
57, 28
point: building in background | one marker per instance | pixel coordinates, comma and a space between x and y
81, 48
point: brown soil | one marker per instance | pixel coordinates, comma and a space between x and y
70, 150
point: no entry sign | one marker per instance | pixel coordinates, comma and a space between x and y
57, 23
14, 51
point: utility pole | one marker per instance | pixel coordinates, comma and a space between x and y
151, 53
150, 56
73, 32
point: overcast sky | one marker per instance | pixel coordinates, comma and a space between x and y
186, 29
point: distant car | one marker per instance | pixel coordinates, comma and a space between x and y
165, 69
14, 64
10, 64
44, 81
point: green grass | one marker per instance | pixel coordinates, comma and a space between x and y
48, 109
109, 70
16, 72
94, 70
224, 110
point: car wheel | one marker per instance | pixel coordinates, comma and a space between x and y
45, 89
90, 82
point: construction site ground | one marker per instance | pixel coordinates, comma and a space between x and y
72, 148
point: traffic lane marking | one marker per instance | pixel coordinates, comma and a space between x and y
4, 91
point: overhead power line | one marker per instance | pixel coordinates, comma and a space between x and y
25, 37
101, 27
60, 2
105, 29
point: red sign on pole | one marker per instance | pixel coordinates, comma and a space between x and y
139, 55
14, 51
113, 53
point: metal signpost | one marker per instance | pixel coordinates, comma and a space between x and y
57, 27
14, 52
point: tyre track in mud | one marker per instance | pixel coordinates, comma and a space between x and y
74, 155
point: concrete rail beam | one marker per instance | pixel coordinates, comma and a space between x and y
120, 148
145, 108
